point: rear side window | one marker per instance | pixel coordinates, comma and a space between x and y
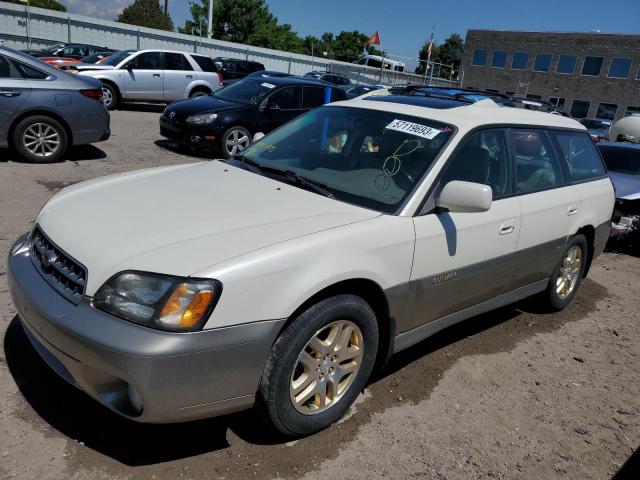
205, 63
581, 156
337, 95
5, 70
537, 167
30, 73
483, 158
176, 61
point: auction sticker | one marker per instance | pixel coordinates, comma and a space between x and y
268, 85
413, 129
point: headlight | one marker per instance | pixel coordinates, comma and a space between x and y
159, 301
202, 119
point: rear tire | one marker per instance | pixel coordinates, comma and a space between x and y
110, 96
318, 365
40, 139
196, 92
567, 276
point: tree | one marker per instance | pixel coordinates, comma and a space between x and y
48, 4
449, 53
146, 13
346, 46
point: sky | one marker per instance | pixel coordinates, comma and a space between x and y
405, 25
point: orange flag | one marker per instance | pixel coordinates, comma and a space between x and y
374, 39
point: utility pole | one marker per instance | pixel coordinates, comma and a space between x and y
209, 26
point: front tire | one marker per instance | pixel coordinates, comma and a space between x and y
234, 141
318, 365
40, 139
110, 96
567, 276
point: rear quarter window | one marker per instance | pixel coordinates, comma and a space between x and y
580, 156
205, 63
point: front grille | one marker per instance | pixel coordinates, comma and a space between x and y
63, 273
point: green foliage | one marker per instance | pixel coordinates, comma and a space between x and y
49, 4
449, 53
250, 22
146, 13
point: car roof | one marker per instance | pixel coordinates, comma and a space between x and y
621, 145
229, 59
292, 80
464, 115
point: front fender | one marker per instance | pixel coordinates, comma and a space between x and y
272, 282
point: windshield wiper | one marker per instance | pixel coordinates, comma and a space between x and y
288, 175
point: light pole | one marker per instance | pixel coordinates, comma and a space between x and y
28, 21
209, 26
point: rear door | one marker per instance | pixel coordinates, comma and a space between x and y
550, 205
13, 93
144, 77
178, 74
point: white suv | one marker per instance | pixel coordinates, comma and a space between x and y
152, 76
281, 276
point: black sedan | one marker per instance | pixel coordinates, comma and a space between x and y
227, 120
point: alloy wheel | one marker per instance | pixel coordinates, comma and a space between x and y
569, 272
326, 367
107, 96
41, 140
236, 142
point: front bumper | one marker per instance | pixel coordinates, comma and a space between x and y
200, 137
178, 376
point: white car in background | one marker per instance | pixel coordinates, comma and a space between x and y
281, 276
153, 76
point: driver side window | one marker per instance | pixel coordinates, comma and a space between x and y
483, 158
287, 98
147, 61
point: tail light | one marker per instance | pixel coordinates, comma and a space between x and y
219, 78
95, 93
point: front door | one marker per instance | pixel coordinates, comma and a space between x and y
462, 259
144, 77
13, 92
281, 106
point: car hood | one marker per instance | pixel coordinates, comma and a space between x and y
204, 104
179, 220
627, 186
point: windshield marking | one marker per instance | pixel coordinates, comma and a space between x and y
392, 163
413, 129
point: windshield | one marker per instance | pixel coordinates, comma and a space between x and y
116, 58
622, 160
246, 91
53, 47
366, 157
595, 124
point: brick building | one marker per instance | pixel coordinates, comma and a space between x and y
588, 74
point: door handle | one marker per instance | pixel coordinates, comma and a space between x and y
189, 76
156, 75
9, 93
507, 227
573, 209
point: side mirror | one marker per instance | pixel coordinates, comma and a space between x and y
129, 66
257, 137
465, 197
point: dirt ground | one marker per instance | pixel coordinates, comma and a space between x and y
512, 394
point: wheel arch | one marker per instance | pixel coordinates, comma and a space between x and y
113, 84
198, 87
372, 293
44, 112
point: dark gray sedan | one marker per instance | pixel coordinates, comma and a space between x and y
44, 110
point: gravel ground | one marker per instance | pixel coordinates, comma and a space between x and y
510, 394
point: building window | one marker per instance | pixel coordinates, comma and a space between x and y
499, 59
531, 96
592, 66
607, 110
580, 108
557, 101
620, 68
566, 64
479, 58
520, 61
542, 63
510, 93
632, 111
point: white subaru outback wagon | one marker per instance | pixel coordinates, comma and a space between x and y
278, 279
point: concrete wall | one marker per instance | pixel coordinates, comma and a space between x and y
571, 87
48, 26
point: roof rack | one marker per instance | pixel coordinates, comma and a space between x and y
460, 94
